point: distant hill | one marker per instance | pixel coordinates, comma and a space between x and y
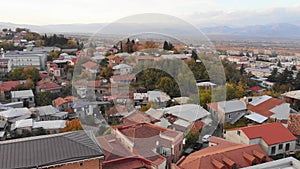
283, 30
280, 30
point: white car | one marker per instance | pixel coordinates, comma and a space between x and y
206, 138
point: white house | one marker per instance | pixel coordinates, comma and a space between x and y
25, 96
273, 138
122, 69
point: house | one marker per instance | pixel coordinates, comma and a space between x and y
20, 59
123, 78
44, 112
184, 117
25, 96
285, 163
156, 144
143, 59
158, 96
11, 114
76, 149
294, 125
50, 127
122, 69
7, 86
5, 66
60, 103
63, 104
228, 111
258, 71
266, 135
292, 97
23, 126
44, 85
93, 88
177, 56
256, 90
114, 60
269, 107
222, 154
91, 67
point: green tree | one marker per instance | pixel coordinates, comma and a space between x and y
191, 138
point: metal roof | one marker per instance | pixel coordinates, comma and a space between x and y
256, 117
232, 106
48, 150
21, 93
259, 100
17, 112
188, 112
52, 124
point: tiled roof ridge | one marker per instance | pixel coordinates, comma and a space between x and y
34, 138
70, 138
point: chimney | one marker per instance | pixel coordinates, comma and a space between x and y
218, 164
251, 159
260, 156
229, 162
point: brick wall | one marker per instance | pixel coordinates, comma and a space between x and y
87, 164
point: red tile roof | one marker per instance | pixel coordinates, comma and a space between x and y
48, 85
265, 107
294, 124
129, 162
8, 85
225, 154
59, 101
256, 88
198, 125
269, 132
90, 65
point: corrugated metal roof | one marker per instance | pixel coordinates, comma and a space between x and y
189, 112
48, 150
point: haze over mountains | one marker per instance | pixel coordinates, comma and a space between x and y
280, 30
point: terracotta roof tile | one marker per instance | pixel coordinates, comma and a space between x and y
90, 65
221, 155
59, 101
8, 85
269, 133
265, 107
48, 85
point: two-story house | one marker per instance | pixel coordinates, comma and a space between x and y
273, 138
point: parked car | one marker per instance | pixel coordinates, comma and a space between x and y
206, 138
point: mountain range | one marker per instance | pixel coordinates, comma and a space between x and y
279, 30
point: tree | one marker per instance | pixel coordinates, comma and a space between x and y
297, 81
279, 64
194, 55
274, 75
166, 45
294, 67
191, 138
242, 69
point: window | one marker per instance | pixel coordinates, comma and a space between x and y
280, 146
287, 146
81, 164
238, 132
273, 150
229, 116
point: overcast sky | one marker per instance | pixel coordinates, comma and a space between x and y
210, 12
